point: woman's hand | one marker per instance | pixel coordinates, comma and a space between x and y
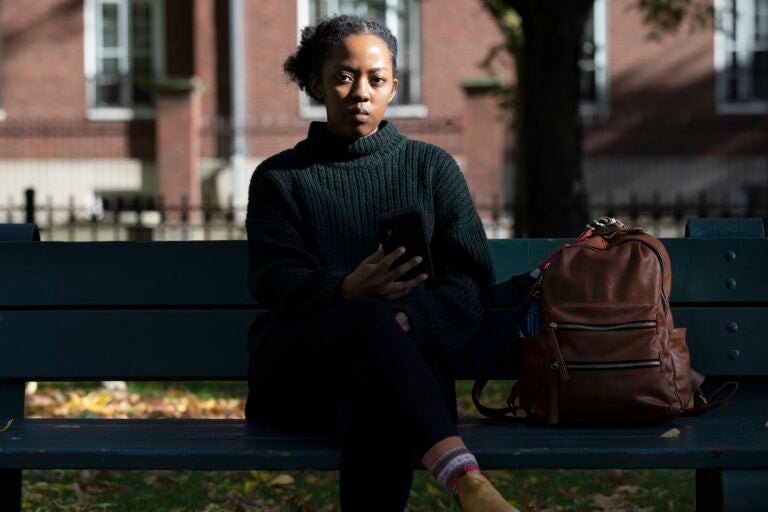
373, 277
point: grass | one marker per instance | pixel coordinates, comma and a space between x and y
235, 491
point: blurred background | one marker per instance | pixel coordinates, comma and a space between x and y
143, 119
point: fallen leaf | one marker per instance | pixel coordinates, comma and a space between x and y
250, 485
603, 503
260, 476
8, 425
281, 480
627, 489
673, 432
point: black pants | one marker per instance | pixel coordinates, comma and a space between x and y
351, 372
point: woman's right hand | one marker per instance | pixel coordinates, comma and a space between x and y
373, 277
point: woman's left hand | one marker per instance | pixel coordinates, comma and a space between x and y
403, 320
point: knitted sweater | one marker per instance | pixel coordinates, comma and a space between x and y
312, 219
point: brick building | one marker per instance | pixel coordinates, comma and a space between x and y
102, 98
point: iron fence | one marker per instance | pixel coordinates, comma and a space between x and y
120, 219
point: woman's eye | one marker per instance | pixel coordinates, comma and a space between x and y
344, 78
378, 80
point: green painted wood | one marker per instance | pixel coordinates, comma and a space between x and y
744, 490
19, 232
712, 441
184, 274
105, 274
212, 344
725, 228
124, 344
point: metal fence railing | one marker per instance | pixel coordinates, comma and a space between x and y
120, 219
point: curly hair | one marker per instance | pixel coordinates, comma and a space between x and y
318, 41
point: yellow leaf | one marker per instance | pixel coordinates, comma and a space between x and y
7, 425
279, 480
260, 476
250, 485
673, 432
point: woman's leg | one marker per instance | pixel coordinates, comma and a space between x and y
377, 460
356, 348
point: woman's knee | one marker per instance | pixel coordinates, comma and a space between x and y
362, 314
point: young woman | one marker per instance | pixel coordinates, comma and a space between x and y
345, 348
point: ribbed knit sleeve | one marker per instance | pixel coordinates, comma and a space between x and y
282, 274
448, 309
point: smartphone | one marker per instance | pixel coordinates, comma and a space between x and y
406, 228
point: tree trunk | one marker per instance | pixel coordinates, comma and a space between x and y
550, 137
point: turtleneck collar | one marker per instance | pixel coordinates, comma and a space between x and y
321, 140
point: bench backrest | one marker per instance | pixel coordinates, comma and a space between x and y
181, 310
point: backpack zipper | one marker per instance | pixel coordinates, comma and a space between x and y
609, 365
564, 326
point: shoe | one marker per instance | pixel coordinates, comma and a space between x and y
477, 494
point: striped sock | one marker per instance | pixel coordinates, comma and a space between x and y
451, 466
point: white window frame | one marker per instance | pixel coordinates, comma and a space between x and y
411, 110
92, 33
600, 108
2, 74
745, 46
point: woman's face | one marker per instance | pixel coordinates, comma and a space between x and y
356, 85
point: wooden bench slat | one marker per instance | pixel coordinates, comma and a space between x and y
115, 274
124, 274
714, 350
145, 344
712, 441
124, 344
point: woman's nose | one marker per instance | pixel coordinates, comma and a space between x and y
361, 91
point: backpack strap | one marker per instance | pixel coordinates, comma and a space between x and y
494, 365
718, 397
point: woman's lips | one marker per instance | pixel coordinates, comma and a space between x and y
360, 115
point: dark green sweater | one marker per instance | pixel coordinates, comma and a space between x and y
312, 219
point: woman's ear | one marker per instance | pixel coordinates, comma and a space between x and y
316, 86
395, 83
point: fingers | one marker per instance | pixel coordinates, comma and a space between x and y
399, 289
405, 267
386, 262
375, 256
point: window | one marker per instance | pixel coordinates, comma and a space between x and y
593, 63
741, 56
402, 18
123, 56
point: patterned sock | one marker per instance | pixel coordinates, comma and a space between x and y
451, 466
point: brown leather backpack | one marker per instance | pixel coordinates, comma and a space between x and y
608, 351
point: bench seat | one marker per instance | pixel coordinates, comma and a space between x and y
720, 439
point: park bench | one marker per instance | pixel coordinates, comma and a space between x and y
181, 311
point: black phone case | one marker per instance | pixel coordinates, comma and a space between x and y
406, 228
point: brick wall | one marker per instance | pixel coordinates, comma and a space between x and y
662, 96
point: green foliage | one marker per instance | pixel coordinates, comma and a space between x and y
668, 16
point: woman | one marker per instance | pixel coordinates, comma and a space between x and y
347, 349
